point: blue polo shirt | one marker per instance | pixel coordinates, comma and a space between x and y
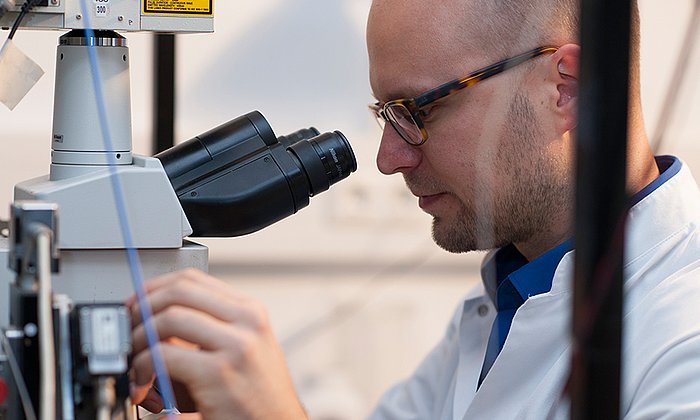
510, 279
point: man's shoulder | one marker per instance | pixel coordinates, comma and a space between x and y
662, 338
666, 279
662, 304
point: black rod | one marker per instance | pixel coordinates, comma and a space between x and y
163, 92
601, 207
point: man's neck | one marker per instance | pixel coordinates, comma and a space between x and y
641, 171
537, 246
641, 164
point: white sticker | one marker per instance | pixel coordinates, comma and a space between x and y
18, 74
105, 331
101, 10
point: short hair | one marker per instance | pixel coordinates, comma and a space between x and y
514, 26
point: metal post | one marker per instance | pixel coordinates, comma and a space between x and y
164, 92
601, 206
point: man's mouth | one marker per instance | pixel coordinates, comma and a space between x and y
426, 202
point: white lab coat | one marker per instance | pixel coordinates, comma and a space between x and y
661, 339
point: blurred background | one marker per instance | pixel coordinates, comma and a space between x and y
356, 289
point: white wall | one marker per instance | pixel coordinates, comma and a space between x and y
356, 289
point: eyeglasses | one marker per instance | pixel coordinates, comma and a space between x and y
405, 115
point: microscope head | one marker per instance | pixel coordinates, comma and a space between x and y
115, 15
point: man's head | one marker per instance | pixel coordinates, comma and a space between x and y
497, 165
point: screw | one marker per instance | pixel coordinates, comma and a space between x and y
31, 330
78, 17
54, 1
120, 18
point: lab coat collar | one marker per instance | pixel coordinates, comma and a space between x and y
667, 211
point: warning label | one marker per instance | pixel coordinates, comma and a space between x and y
178, 7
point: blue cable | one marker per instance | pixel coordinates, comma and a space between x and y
164, 385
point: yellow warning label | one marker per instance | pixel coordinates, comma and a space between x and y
178, 7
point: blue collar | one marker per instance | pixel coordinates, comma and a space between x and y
535, 277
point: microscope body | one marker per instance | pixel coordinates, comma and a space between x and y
81, 182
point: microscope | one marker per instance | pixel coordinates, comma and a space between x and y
103, 215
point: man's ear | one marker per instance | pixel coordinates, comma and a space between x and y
567, 59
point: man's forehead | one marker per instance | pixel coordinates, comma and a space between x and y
415, 29
418, 46
400, 88
422, 5
424, 17
400, 78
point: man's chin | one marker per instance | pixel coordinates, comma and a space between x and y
458, 236
448, 237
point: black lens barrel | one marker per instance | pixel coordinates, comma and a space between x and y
297, 136
326, 159
224, 144
239, 178
336, 154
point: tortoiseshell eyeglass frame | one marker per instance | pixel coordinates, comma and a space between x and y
414, 105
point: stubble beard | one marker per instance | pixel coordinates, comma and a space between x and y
539, 191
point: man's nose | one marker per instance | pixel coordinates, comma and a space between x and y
395, 155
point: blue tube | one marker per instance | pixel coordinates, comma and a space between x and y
162, 378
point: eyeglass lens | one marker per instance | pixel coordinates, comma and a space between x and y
402, 120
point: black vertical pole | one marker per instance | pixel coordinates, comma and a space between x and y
601, 206
163, 92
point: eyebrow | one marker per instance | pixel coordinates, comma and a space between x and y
397, 95
410, 90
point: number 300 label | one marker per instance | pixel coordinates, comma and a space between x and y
101, 8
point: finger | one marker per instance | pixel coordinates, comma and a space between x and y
151, 402
192, 275
198, 297
161, 280
189, 416
182, 365
189, 325
138, 392
149, 398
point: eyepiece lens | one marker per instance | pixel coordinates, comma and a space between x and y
336, 154
325, 159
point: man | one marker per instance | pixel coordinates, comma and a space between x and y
490, 157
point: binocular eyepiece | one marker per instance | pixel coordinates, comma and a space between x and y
239, 177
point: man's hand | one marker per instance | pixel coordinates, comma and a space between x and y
219, 350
